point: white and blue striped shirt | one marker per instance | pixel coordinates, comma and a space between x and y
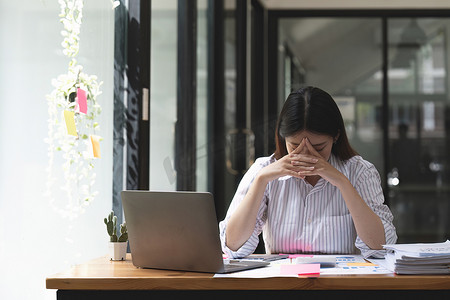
296, 217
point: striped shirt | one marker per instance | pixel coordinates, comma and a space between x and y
296, 217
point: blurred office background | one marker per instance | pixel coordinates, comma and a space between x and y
191, 91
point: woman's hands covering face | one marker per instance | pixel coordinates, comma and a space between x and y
311, 163
292, 164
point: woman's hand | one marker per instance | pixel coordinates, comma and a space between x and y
320, 167
292, 164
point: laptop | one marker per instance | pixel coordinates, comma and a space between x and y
177, 231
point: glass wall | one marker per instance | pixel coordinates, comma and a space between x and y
230, 96
338, 55
38, 241
418, 127
202, 96
344, 57
163, 94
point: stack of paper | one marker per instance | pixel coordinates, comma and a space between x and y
428, 258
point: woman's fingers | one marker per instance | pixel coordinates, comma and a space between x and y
293, 168
311, 148
303, 167
303, 158
282, 168
299, 148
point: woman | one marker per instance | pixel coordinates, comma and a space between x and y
315, 194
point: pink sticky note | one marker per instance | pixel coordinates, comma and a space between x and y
300, 269
299, 255
81, 104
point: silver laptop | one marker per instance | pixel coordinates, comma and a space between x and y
176, 231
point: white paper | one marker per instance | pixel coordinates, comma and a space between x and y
345, 265
420, 258
420, 249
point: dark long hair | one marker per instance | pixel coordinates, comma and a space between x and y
314, 110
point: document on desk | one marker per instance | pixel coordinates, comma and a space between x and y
418, 258
353, 265
345, 265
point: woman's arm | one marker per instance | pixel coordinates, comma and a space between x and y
368, 225
242, 223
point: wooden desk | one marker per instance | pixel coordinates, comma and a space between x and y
103, 278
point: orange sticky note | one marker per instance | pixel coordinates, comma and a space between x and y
69, 117
300, 269
95, 145
360, 264
81, 104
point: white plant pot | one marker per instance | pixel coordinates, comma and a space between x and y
118, 251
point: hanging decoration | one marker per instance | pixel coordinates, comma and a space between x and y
73, 140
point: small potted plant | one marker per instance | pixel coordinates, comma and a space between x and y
117, 244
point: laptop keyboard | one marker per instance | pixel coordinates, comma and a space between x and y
243, 265
234, 266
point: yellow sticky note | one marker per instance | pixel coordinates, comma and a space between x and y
69, 117
360, 264
95, 145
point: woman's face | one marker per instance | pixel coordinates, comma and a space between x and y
322, 143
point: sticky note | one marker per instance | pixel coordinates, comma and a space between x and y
300, 269
81, 103
299, 255
95, 145
361, 264
69, 117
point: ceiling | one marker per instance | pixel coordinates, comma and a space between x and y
354, 4
340, 52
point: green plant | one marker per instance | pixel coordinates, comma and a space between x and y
111, 227
71, 156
